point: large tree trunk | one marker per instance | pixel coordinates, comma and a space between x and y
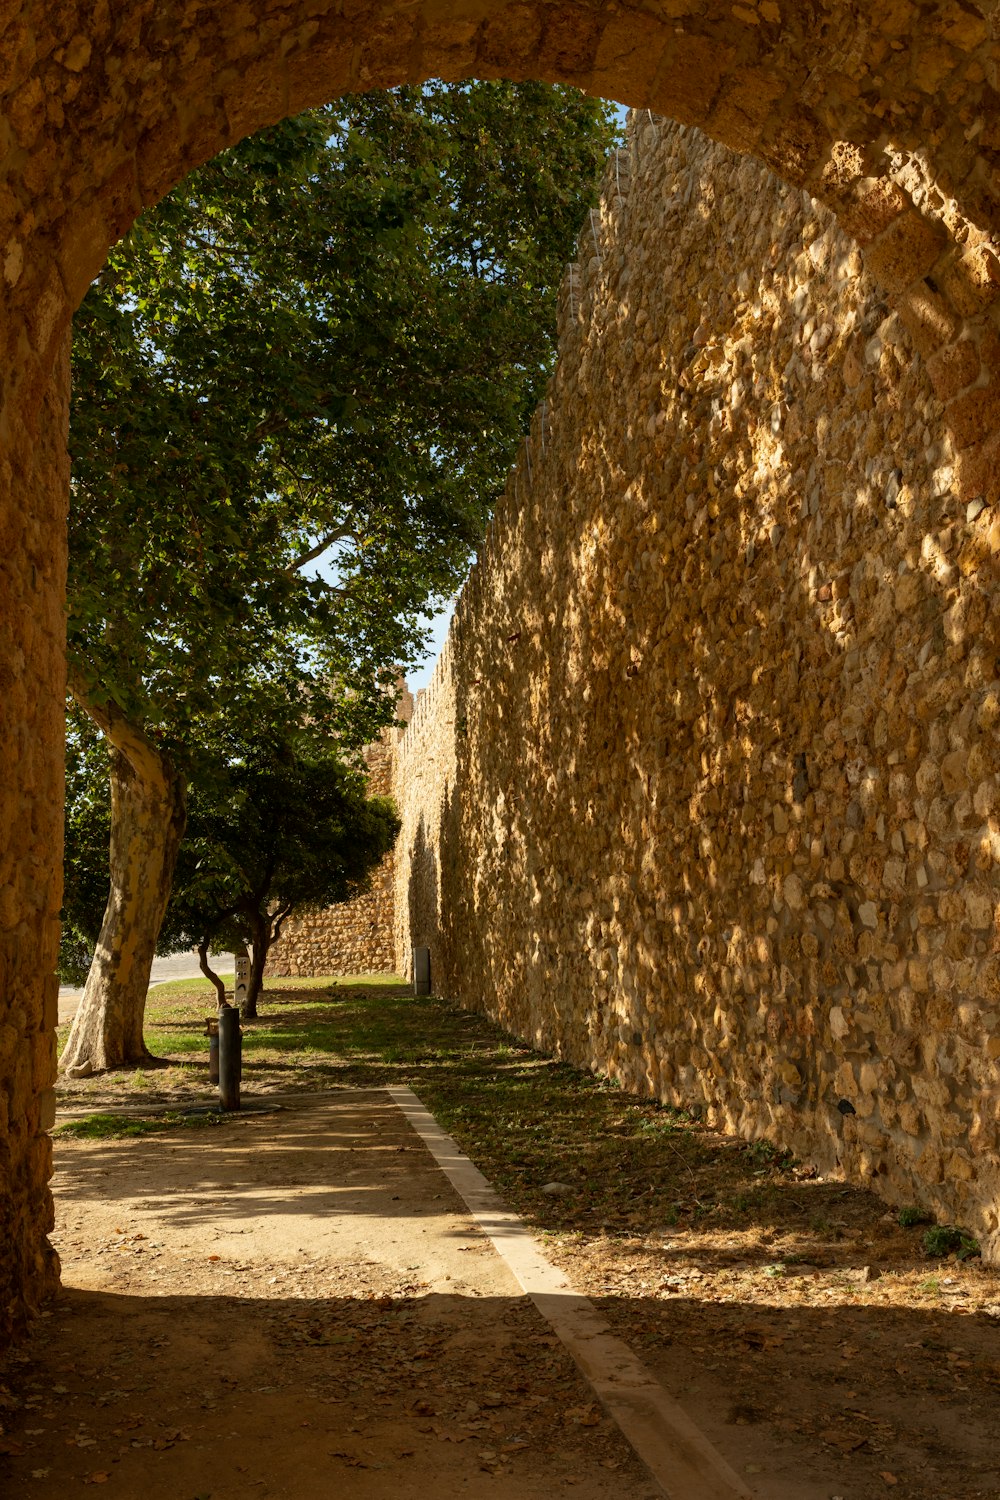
259, 949
148, 801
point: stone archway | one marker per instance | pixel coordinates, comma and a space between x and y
888, 114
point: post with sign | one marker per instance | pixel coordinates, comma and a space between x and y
242, 976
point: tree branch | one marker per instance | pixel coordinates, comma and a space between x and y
320, 547
279, 921
203, 963
209, 972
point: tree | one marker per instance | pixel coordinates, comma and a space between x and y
324, 344
289, 832
85, 849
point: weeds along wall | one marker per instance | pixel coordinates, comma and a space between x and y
704, 792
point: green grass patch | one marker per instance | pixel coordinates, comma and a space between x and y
104, 1127
197, 986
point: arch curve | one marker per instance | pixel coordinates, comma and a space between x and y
889, 118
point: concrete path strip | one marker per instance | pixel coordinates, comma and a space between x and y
177, 966
678, 1455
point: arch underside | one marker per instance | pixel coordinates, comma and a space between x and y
895, 128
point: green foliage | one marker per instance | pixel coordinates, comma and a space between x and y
767, 1157
666, 1120
325, 344
87, 834
912, 1215
948, 1239
327, 340
104, 1127
282, 830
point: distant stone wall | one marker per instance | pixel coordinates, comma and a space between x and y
355, 937
704, 794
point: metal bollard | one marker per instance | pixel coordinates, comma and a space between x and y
230, 1057
421, 971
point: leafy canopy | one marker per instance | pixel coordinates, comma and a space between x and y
327, 341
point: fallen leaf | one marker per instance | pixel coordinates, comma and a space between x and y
590, 1417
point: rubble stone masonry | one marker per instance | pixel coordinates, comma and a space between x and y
704, 794
355, 937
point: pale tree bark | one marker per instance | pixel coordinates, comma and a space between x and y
148, 814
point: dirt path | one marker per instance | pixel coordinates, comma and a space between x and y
293, 1304
806, 1327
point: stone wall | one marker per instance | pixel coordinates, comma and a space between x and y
355, 937
32, 694
705, 793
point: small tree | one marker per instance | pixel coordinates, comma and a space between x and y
288, 831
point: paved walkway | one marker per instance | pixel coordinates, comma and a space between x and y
301, 1304
177, 966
